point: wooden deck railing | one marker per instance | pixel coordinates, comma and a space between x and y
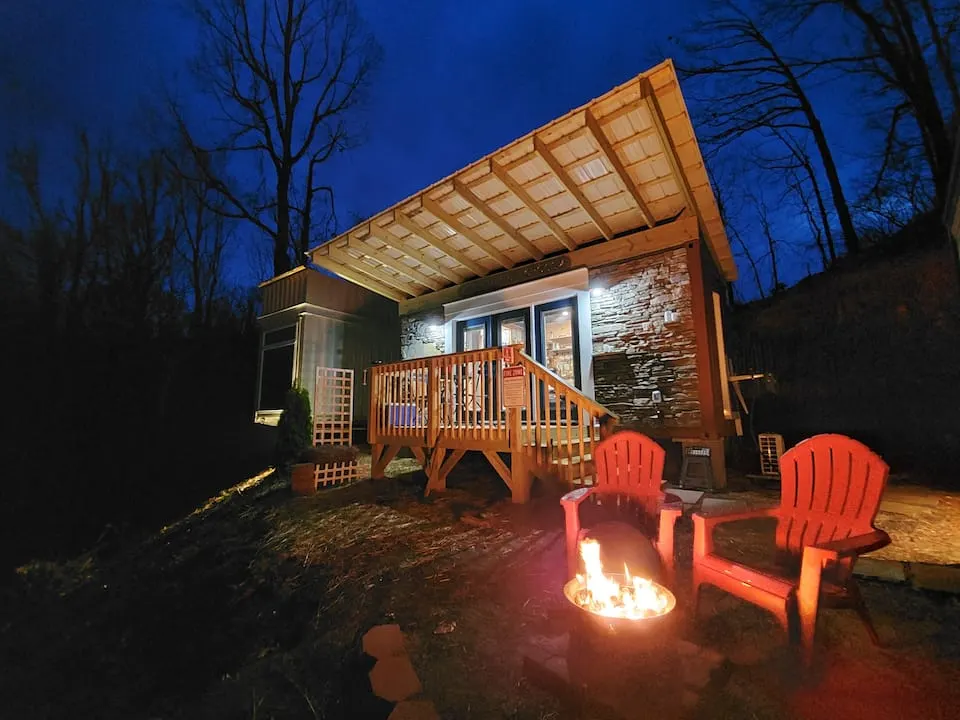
456, 401
560, 424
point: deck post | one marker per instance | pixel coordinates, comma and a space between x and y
433, 398
520, 477
373, 409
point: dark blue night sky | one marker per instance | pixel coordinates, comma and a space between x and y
458, 79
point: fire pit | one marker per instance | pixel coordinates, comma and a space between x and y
617, 603
620, 650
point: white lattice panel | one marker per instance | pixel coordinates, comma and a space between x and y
333, 407
337, 473
333, 422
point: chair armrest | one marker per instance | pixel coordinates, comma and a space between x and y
703, 526
711, 521
815, 559
575, 497
848, 547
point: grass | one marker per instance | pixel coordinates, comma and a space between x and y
254, 605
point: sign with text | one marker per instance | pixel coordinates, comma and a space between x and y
514, 382
511, 354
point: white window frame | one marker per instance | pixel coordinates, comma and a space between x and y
526, 296
264, 347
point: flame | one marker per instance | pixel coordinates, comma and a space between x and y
635, 598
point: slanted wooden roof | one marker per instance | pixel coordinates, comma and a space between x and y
626, 161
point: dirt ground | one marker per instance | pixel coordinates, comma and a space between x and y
254, 608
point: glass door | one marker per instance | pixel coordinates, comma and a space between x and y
558, 348
558, 344
470, 384
511, 328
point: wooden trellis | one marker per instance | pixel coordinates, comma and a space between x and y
333, 422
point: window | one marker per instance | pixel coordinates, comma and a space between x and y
473, 334
276, 367
513, 328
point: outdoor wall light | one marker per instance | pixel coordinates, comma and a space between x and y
435, 328
597, 291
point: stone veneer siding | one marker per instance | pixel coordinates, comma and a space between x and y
422, 335
635, 351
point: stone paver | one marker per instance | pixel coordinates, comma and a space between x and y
383, 641
913, 496
414, 710
943, 578
901, 508
692, 668
394, 679
889, 570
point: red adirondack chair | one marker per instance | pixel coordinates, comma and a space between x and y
628, 466
830, 493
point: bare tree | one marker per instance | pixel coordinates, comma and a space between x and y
203, 236
766, 227
801, 181
889, 47
106, 252
756, 89
940, 39
285, 75
723, 193
751, 260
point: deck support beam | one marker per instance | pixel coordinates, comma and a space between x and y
499, 465
439, 467
386, 457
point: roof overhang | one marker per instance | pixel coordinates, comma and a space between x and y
624, 162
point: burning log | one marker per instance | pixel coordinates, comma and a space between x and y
625, 596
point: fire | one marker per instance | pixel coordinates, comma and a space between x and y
635, 598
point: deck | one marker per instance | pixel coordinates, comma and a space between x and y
444, 406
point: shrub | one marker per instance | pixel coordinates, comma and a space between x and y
294, 431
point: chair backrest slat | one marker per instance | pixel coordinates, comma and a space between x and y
831, 487
629, 463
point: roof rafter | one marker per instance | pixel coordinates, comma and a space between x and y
607, 151
398, 265
650, 98
400, 283
325, 261
428, 237
503, 175
390, 240
506, 228
433, 207
571, 187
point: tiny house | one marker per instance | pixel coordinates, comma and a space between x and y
312, 319
594, 244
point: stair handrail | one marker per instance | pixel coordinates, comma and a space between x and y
597, 407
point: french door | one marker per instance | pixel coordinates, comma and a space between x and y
558, 342
558, 348
508, 328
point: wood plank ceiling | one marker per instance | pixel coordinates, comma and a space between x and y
626, 161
